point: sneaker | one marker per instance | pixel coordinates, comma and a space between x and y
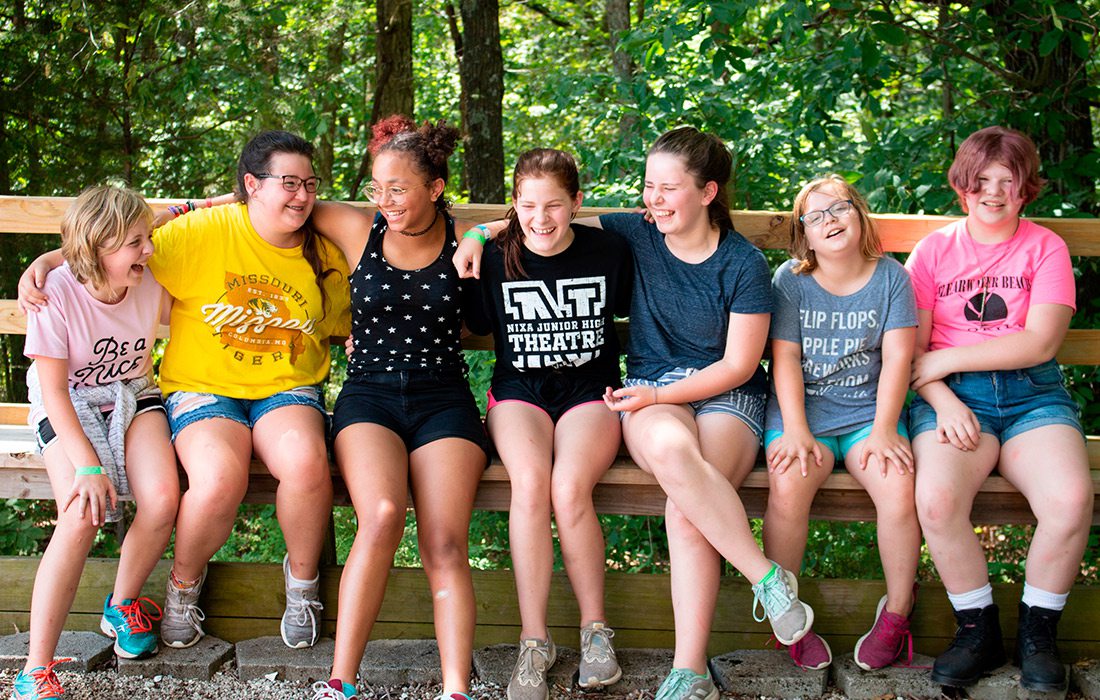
39, 683
790, 618
887, 640
1036, 651
182, 623
685, 684
130, 624
333, 690
598, 666
299, 627
811, 653
453, 696
977, 648
528, 680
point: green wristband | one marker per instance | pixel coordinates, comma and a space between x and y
89, 471
480, 237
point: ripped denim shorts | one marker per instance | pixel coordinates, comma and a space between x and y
187, 407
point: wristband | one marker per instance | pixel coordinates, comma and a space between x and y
474, 234
209, 203
89, 471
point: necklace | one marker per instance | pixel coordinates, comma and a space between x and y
414, 234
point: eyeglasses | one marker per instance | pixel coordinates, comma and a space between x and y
375, 193
837, 210
292, 183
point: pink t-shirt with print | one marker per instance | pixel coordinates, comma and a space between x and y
976, 292
102, 342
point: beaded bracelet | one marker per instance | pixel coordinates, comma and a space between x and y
89, 471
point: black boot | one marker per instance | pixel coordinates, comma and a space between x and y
978, 648
1036, 652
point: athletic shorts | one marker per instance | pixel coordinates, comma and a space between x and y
1006, 402
554, 393
839, 445
46, 435
420, 406
748, 406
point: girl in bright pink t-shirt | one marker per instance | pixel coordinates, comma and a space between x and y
995, 295
100, 422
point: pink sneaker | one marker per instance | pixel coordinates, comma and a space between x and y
886, 642
811, 653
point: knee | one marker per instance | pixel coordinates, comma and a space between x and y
666, 450
217, 497
938, 507
305, 470
571, 500
531, 493
680, 528
443, 552
159, 510
789, 496
381, 525
1069, 510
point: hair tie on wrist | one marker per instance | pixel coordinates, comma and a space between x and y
209, 203
89, 471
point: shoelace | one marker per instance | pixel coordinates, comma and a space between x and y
138, 618
299, 609
529, 674
323, 691
1039, 633
677, 684
774, 595
191, 612
46, 680
596, 644
968, 636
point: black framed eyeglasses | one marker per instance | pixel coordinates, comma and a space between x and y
291, 183
837, 210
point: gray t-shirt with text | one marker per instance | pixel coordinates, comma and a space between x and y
841, 341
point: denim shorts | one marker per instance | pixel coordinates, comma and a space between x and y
1006, 402
46, 436
420, 406
839, 445
745, 405
187, 407
553, 393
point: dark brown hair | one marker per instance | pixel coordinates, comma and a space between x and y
707, 159
996, 144
870, 245
255, 159
536, 163
429, 146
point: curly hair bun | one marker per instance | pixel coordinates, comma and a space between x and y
386, 129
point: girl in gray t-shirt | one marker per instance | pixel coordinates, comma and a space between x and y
842, 343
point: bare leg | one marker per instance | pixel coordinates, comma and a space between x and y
374, 464
787, 517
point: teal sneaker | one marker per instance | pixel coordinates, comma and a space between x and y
790, 618
39, 683
130, 624
334, 689
685, 684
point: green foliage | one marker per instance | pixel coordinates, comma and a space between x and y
20, 532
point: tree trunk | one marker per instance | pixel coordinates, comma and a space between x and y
330, 105
481, 70
617, 18
393, 76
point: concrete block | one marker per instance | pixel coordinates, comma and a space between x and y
199, 662
259, 657
86, 649
643, 669
911, 681
1085, 678
766, 672
389, 662
1004, 684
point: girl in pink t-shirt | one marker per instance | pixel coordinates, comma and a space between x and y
995, 295
100, 423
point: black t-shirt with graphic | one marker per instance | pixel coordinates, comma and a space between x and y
560, 317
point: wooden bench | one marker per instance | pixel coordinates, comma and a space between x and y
624, 489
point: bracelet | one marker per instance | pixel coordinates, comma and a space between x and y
190, 205
656, 389
89, 471
174, 210
209, 203
479, 237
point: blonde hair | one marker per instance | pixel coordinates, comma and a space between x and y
98, 222
870, 245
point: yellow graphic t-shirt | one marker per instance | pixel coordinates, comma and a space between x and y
247, 320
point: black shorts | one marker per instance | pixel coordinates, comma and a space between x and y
554, 393
46, 434
419, 406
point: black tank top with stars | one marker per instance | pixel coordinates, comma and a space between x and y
406, 319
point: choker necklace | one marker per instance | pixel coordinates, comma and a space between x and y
414, 234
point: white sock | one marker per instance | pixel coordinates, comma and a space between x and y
1038, 598
299, 583
970, 600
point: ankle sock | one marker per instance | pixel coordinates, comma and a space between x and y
771, 573
970, 600
302, 583
1038, 598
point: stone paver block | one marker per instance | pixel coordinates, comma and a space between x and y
1004, 684
1085, 678
766, 672
389, 662
643, 669
199, 662
494, 665
86, 649
264, 655
911, 681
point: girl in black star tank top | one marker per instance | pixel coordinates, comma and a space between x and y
405, 418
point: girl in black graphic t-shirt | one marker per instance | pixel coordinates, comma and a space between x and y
551, 290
